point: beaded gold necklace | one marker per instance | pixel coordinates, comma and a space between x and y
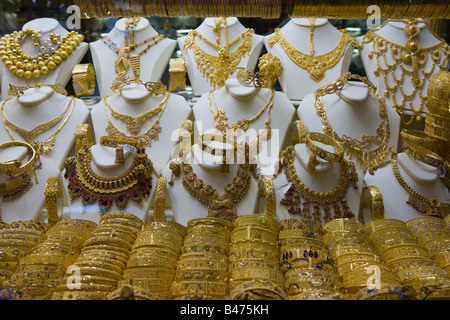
429, 207
51, 52
370, 151
29, 136
299, 198
134, 124
218, 68
409, 66
135, 183
316, 65
220, 206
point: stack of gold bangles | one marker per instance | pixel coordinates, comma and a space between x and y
40, 272
202, 269
308, 273
154, 256
355, 259
400, 249
16, 241
104, 256
433, 233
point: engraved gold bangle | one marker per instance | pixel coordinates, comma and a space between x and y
52, 192
15, 167
343, 225
258, 290
400, 252
426, 224
177, 71
83, 77
380, 224
321, 153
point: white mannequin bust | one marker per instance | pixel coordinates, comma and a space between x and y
199, 83
354, 115
40, 105
241, 101
61, 74
134, 100
393, 32
324, 180
421, 177
29, 206
153, 63
207, 167
295, 81
103, 164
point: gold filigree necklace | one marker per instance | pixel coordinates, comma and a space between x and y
300, 199
219, 205
370, 151
409, 66
218, 68
316, 65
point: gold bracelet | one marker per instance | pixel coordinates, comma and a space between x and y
372, 198
403, 252
425, 224
122, 222
258, 290
52, 191
80, 295
214, 289
380, 224
177, 71
436, 246
83, 77
321, 153
161, 237
106, 249
343, 225
148, 272
15, 167
411, 264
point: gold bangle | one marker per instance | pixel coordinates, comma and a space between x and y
400, 252
122, 222
214, 289
411, 264
121, 228
258, 290
380, 224
148, 272
166, 225
343, 225
113, 241
123, 215
309, 225
426, 224
436, 246
321, 153
79, 295
15, 167
52, 191
177, 71
83, 77
161, 237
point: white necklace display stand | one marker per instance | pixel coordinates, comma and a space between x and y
199, 83
393, 32
153, 63
134, 100
186, 207
421, 177
29, 206
353, 118
61, 74
324, 180
241, 101
294, 80
41, 105
103, 164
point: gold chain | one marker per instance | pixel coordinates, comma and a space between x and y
218, 68
412, 62
429, 207
316, 65
368, 159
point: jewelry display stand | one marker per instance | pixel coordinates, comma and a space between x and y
40, 105
393, 57
185, 206
135, 100
354, 113
324, 180
152, 63
200, 84
29, 205
103, 164
422, 178
240, 101
61, 74
295, 81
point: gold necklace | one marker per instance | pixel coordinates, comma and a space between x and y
316, 65
429, 207
368, 158
145, 138
83, 182
41, 147
51, 52
134, 124
412, 62
220, 206
218, 68
301, 195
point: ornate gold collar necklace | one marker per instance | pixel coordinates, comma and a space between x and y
316, 65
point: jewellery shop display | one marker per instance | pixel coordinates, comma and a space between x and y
316, 65
134, 184
413, 63
29, 136
427, 206
299, 198
134, 124
369, 151
125, 60
51, 52
218, 68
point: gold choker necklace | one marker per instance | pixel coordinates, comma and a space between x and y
316, 65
